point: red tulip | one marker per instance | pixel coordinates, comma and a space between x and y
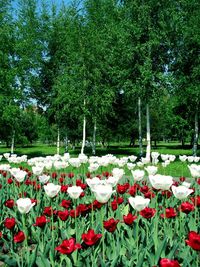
147, 213
169, 213
9, 223
90, 238
193, 240
65, 203
114, 204
70, 175
19, 237
129, 219
41, 221
110, 225
186, 207
68, 246
48, 211
196, 201
168, 263
9, 203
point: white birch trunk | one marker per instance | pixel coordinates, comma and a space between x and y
94, 138
196, 134
58, 141
84, 133
140, 127
12, 143
148, 150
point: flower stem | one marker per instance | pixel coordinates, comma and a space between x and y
103, 235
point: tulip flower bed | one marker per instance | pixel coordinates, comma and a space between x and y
62, 211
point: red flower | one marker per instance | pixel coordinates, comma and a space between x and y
121, 188
147, 213
48, 211
198, 181
74, 213
19, 237
168, 263
186, 207
90, 238
83, 209
70, 175
41, 221
167, 193
61, 180
68, 246
193, 240
54, 175
169, 213
129, 219
149, 195
110, 225
9, 180
9, 203
114, 204
9, 223
96, 204
63, 215
196, 201
28, 182
120, 200
106, 174
64, 188
132, 190
65, 203
144, 189
63, 175
182, 179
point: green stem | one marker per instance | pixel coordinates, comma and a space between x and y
103, 235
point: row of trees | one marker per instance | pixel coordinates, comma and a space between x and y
107, 68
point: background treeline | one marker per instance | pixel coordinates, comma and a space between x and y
105, 69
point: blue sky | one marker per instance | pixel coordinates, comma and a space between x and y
57, 2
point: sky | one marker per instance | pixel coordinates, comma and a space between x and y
57, 2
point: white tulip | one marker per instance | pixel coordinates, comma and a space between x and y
138, 175
183, 158
112, 180
37, 170
118, 173
83, 158
181, 191
51, 189
172, 158
131, 166
186, 184
166, 163
152, 170
190, 159
24, 205
132, 158
103, 193
159, 181
20, 175
139, 202
74, 191
4, 167
155, 155
44, 178
164, 157
92, 183
75, 162
93, 167
194, 170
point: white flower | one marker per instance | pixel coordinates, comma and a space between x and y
196, 159
190, 159
159, 181
132, 158
6, 155
194, 170
74, 191
138, 175
118, 173
155, 155
183, 158
1, 157
139, 164
19, 175
4, 167
92, 183
93, 167
24, 205
172, 157
181, 191
138, 202
83, 158
66, 156
37, 170
152, 170
145, 160
75, 162
103, 193
112, 180
166, 163
44, 178
186, 184
164, 157
131, 166
51, 189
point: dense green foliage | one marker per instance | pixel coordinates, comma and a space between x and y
94, 59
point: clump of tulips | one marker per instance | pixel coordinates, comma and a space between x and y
98, 211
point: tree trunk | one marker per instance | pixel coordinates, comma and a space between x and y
148, 150
84, 133
58, 141
66, 144
196, 133
140, 127
94, 138
12, 143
